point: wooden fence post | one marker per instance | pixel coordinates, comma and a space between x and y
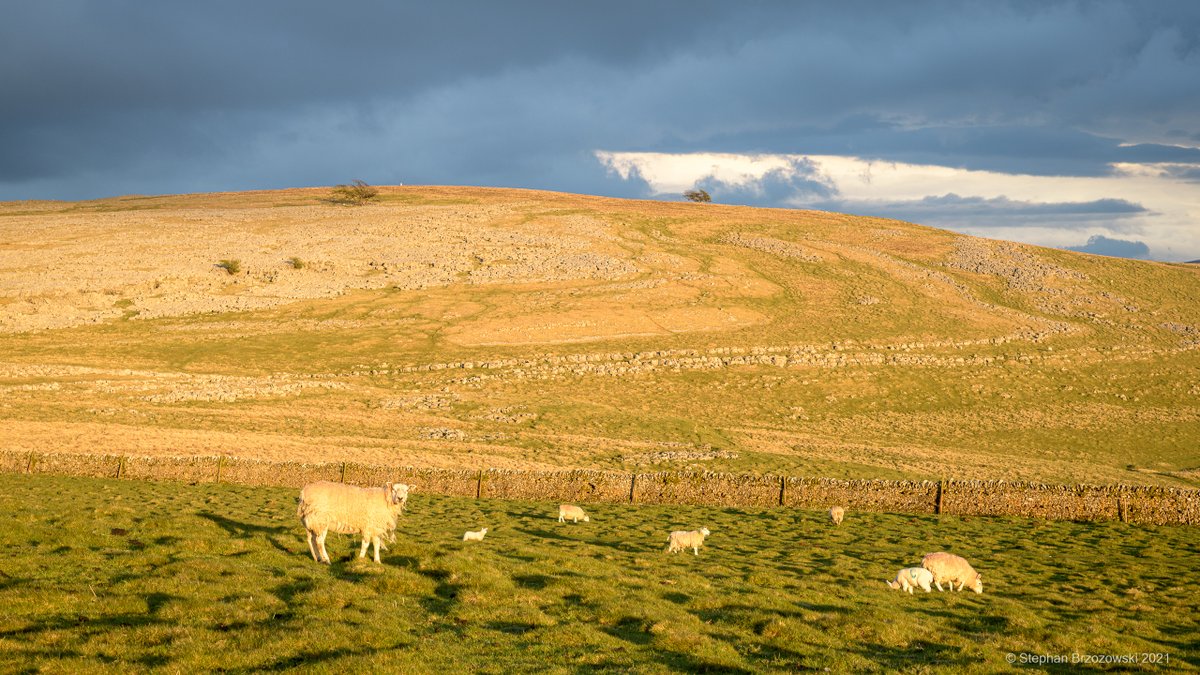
782, 487
1122, 509
632, 484
29, 464
343, 472
121, 466
479, 485
937, 504
220, 465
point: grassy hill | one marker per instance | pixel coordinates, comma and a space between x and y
471, 327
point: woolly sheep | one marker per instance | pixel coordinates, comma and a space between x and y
574, 512
952, 569
681, 540
911, 577
349, 509
836, 514
474, 536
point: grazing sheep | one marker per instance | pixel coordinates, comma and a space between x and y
474, 536
911, 577
574, 512
836, 514
349, 509
952, 569
681, 540
404, 498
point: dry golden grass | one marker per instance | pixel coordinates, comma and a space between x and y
472, 327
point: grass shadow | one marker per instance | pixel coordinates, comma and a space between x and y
544, 534
534, 582
917, 655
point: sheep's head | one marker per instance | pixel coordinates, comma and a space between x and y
704, 531
397, 493
893, 585
587, 519
978, 587
483, 531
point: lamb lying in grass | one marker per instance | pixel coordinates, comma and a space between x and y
349, 509
912, 577
474, 536
573, 512
836, 514
952, 569
680, 540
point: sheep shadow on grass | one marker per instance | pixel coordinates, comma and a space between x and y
242, 530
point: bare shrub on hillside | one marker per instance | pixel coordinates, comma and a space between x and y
231, 267
355, 194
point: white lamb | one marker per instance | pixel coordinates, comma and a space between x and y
349, 509
836, 514
474, 536
952, 569
912, 577
574, 512
680, 540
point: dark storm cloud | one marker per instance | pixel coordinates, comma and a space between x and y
1117, 248
110, 97
1007, 149
952, 210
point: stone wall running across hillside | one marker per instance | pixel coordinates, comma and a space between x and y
1134, 504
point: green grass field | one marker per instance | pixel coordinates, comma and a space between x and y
119, 576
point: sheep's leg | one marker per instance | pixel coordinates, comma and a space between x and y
362, 551
376, 540
938, 583
311, 546
561, 519
321, 546
695, 550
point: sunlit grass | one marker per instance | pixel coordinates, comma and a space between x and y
118, 575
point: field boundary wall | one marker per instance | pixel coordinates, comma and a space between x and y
1127, 503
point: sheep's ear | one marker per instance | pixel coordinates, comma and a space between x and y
391, 496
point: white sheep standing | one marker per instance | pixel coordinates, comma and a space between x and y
574, 512
836, 514
349, 509
474, 536
680, 540
912, 577
947, 567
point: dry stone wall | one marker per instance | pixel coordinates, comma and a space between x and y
190, 469
862, 495
452, 482
705, 489
277, 474
1055, 502
1135, 504
1159, 506
559, 486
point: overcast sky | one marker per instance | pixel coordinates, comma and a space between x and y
1070, 124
